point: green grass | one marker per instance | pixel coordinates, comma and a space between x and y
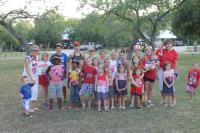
184, 118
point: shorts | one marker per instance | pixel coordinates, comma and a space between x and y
43, 80
148, 79
102, 96
87, 89
26, 104
74, 93
64, 82
55, 90
111, 92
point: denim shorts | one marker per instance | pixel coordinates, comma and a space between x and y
55, 90
111, 92
87, 89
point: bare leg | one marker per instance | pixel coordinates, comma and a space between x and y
112, 103
51, 104
105, 105
174, 98
150, 91
123, 102
138, 101
99, 105
65, 93
166, 100
59, 101
82, 101
132, 101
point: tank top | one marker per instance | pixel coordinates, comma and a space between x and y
101, 80
80, 57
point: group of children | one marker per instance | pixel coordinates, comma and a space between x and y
100, 80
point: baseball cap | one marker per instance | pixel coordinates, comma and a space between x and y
76, 43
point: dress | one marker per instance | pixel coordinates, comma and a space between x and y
137, 90
122, 81
193, 80
169, 77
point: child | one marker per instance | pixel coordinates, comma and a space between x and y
137, 87
25, 93
89, 75
168, 84
43, 79
95, 63
111, 92
101, 86
55, 73
193, 80
74, 81
121, 85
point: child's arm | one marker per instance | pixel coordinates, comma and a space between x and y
131, 78
126, 84
116, 82
164, 76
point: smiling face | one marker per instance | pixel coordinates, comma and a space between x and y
95, 62
56, 61
122, 69
58, 49
148, 51
135, 60
102, 55
34, 53
45, 57
168, 66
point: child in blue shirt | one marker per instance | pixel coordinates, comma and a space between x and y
25, 93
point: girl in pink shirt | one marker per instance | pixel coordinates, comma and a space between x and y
55, 73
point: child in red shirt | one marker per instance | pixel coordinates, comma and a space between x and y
137, 87
193, 80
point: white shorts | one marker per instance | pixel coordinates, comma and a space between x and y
26, 104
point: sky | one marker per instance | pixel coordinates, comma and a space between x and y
68, 8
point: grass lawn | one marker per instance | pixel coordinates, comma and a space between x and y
184, 118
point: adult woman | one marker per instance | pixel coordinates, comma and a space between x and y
31, 65
170, 55
77, 55
150, 63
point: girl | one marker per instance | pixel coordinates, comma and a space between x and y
150, 63
55, 72
95, 63
193, 80
102, 88
168, 84
75, 82
121, 85
111, 92
43, 79
135, 65
137, 87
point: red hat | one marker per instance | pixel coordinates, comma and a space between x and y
77, 43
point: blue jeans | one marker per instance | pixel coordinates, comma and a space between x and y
74, 93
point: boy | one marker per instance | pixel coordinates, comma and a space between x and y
25, 93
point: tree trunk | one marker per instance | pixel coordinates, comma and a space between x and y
195, 47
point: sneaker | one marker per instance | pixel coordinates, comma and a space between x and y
139, 108
36, 109
45, 104
112, 107
171, 105
28, 115
120, 107
106, 109
166, 105
31, 110
99, 109
123, 107
50, 110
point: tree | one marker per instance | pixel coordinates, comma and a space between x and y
186, 22
48, 28
145, 15
110, 32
